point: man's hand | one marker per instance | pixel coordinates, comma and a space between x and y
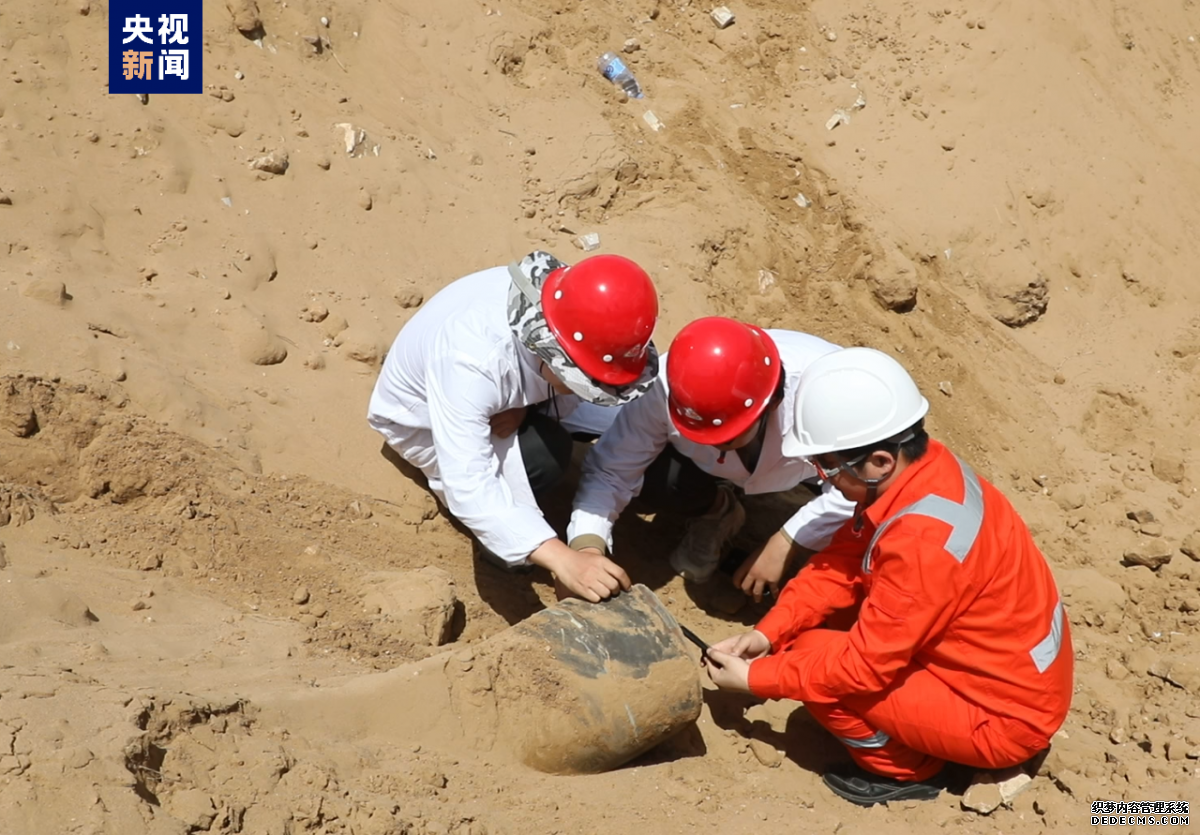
765, 567
748, 645
507, 422
587, 574
728, 672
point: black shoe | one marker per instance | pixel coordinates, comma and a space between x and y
865, 789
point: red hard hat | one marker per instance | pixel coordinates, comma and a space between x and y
602, 311
721, 375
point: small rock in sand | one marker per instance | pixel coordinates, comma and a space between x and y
1151, 529
333, 325
1168, 467
1140, 515
275, 162
1070, 496
766, 753
416, 606
192, 806
47, 290
300, 596
315, 312
409, 298
245, 15
364, 200
1191, 545
1153, 555
3, 557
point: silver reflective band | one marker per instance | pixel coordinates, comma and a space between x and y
964, 519
1047, 649
875, 740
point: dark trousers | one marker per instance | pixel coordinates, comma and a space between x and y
674, 484
545, 451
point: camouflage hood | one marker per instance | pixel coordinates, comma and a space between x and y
527, 321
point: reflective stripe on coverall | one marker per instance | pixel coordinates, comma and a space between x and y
961, 650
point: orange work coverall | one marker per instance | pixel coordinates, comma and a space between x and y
961, 651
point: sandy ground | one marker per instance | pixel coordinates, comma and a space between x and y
199, 535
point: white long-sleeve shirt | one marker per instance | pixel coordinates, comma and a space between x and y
454, 365
613, 470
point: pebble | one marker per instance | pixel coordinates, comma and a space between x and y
1153, 555
325, 22
1059, 379
323, 163
631, 46
1140, 515
766, 753
983, 798
588, 242
1151, 529
831, 35
946, 388
408, 299
948, 145
722, 17
308, 621
300, 596
47, 290
3, 558
364, 200
1191, 546
275, 162
315, 312
238, 75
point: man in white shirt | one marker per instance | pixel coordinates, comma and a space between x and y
712, 424
481, 386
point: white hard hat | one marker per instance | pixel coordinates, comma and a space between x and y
850, 399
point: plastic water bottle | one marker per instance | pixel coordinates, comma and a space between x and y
614, 69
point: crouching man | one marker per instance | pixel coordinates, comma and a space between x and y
961, 651
482, 387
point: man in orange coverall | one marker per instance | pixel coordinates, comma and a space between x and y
961, 651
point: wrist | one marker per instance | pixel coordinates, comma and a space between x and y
589, 541
548, 555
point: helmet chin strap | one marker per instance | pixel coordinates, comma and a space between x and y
872, 485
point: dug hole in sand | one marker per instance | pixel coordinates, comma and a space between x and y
579, 688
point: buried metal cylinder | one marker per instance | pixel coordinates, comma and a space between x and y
583, 688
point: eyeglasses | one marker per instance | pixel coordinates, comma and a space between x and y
830, 473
